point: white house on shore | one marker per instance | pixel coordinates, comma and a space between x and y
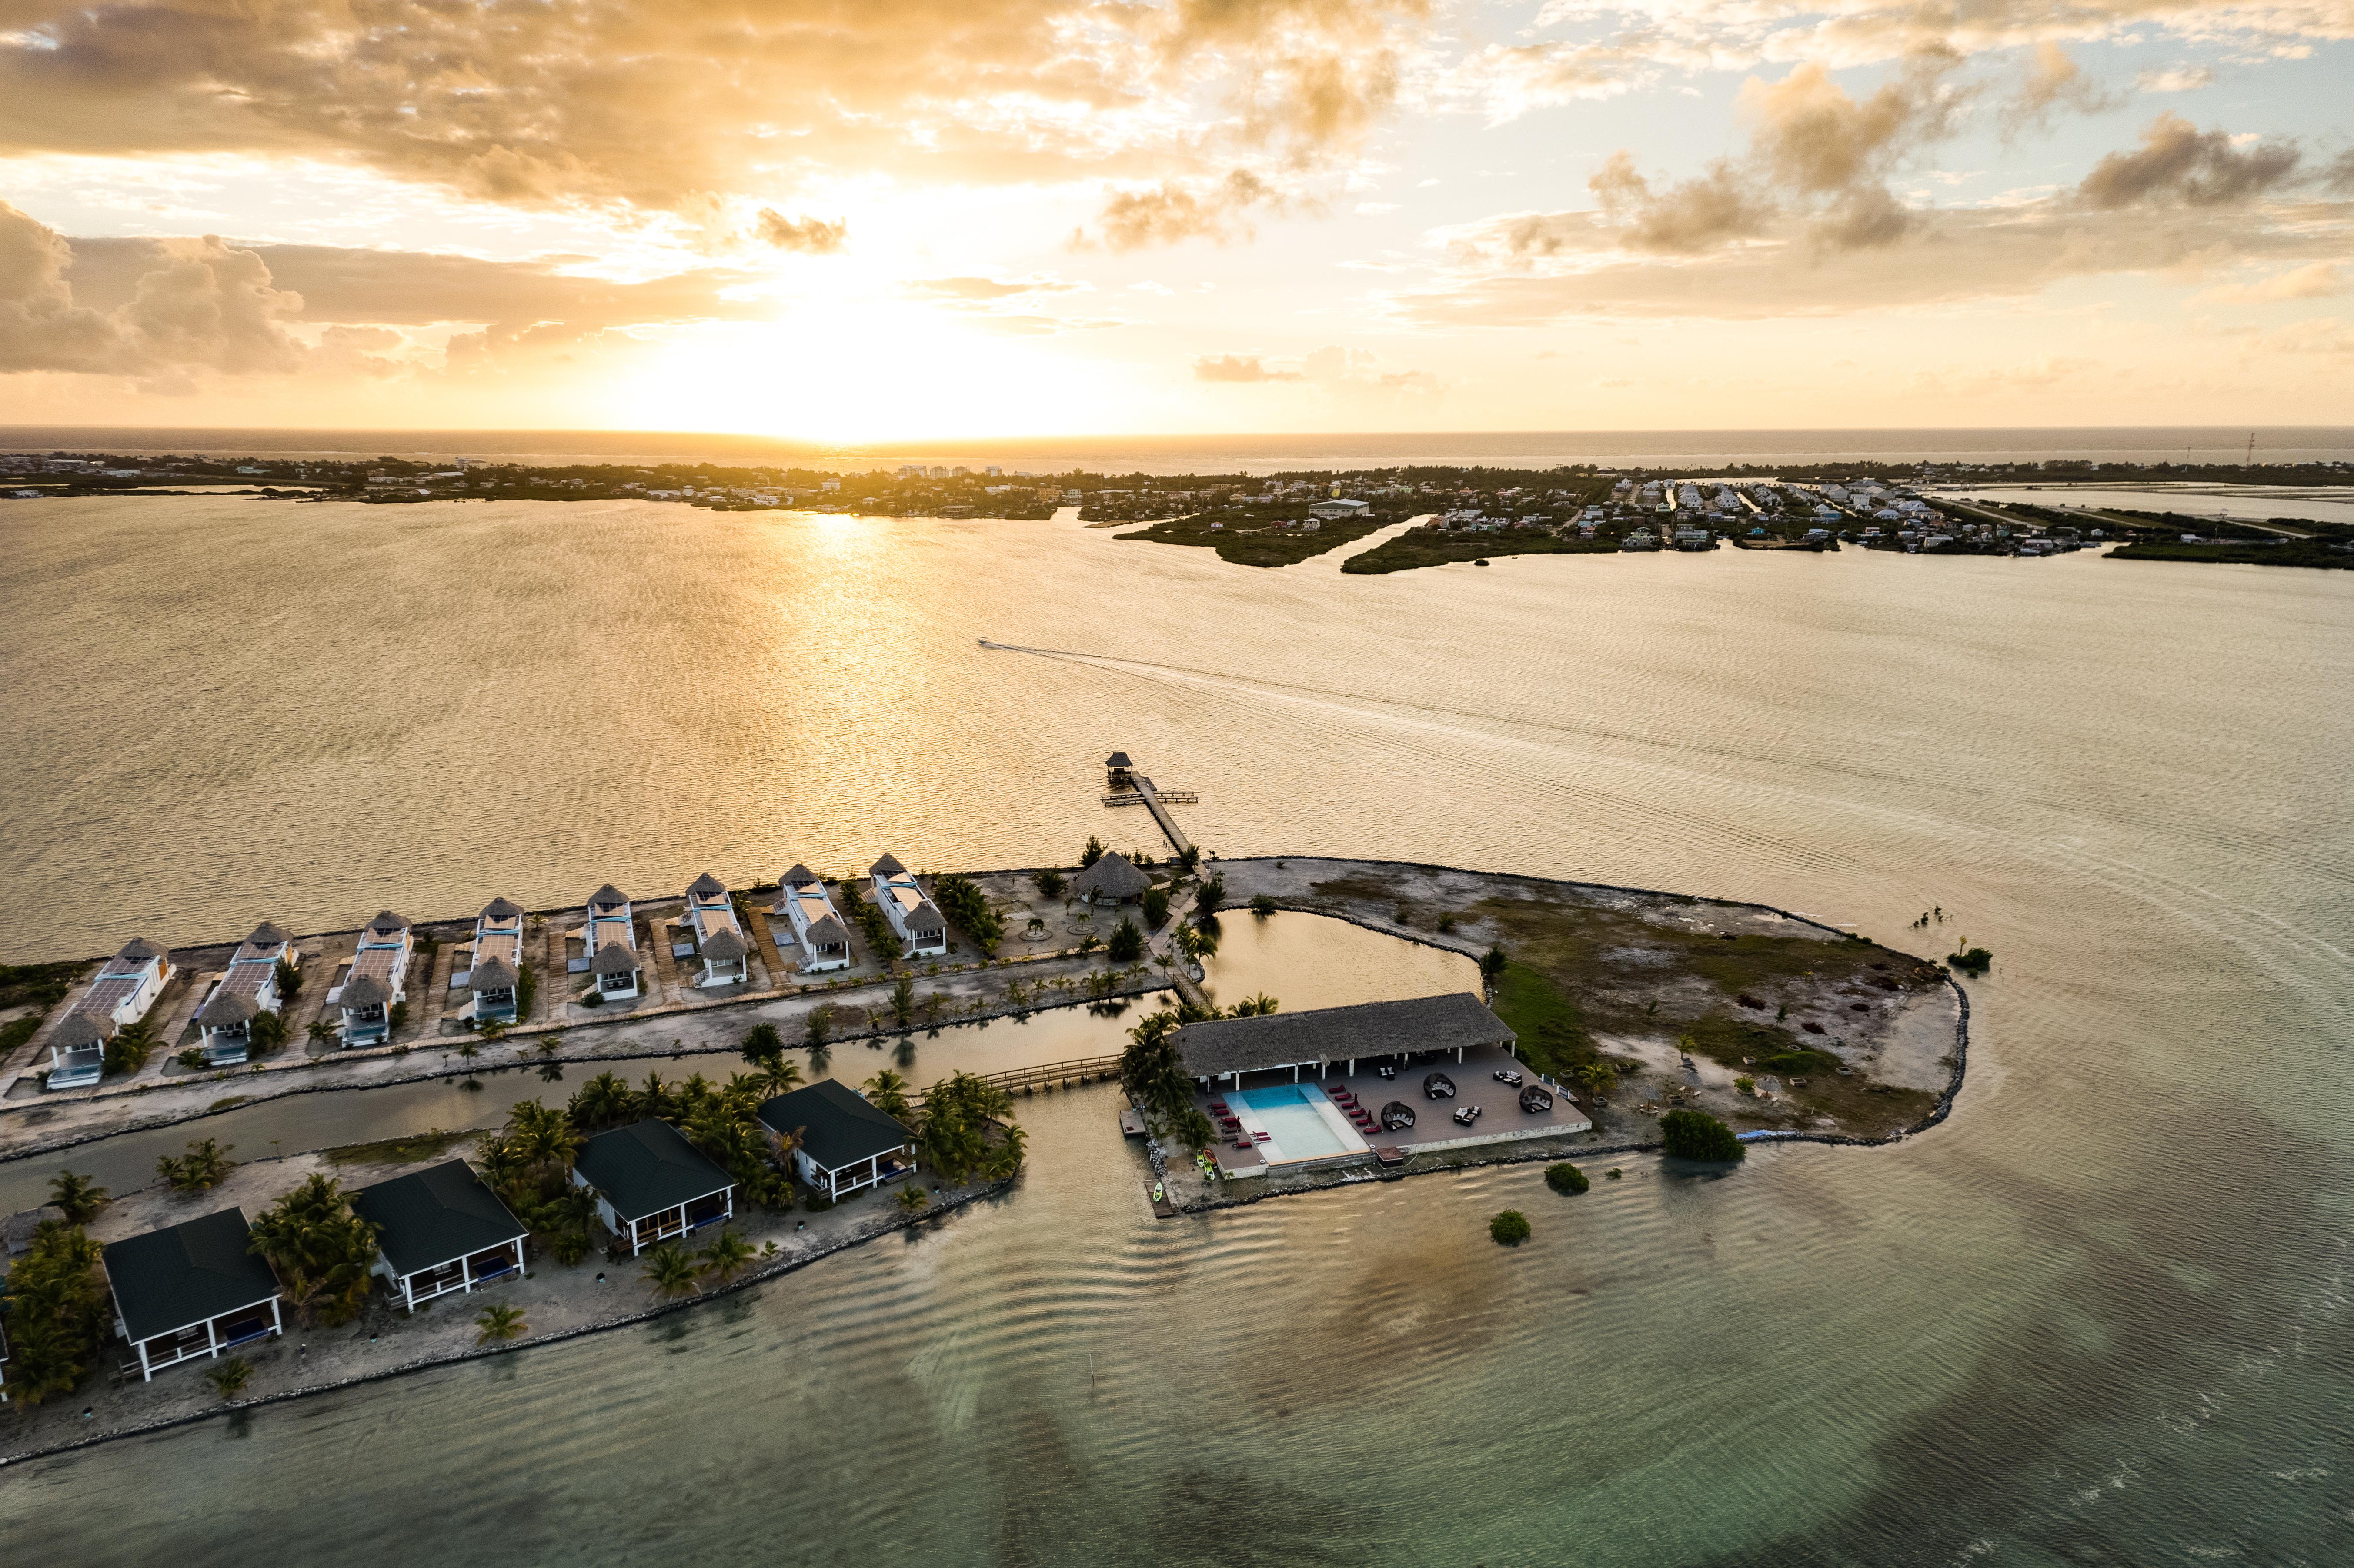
842, 1144
609, 940
919, 926
817, 926
718, 935
497, 964
440, 1230
652, 1184
249, 987
191, 1290
1339, 508
126, 986
379, 981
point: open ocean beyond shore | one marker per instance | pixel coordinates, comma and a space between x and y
1249, 453
2099, 1316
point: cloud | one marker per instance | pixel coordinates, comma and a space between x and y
1690, 215
416, 288
2314, 281
810, 235
2175, 79
986, 289
1172, 212
2178, 162
1813, 149
2054, 82
200, 305
1519, 269
1239, 368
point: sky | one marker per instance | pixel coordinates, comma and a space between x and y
867, 220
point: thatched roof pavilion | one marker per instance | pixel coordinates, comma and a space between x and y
1112, 880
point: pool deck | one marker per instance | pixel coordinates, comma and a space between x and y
1501, 1119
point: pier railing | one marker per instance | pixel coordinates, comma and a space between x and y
1047, 1075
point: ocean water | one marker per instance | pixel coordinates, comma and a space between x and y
1229, 453
2099, 1316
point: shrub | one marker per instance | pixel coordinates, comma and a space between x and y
1092, 853
1445, 923
1050, 883
1798, 1063
1695, 1134
1262, 906
266, 1033
1491, 964
1565, 1178
129, 1049
58, 1311
204, 1166
1747, 1085
1127, 944
963, 902
527, 992
401, 1016
592, 997
193, 1058
1156, 907
1971, 961
1510, 1228
762, 1043
290, 978
229, 1378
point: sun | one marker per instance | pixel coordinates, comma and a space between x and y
862, 371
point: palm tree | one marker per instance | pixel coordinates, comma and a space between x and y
912, 1198
602, 1101
903, 1002
655, 1099
265, 1033
323, 1251
1259, 1006
322, 1031
887, 1091
779, 1075
725, 1255
670, 1271
77, 1196
491, 1031
229, 1378
499, 1324
762, 1043
1597, 1078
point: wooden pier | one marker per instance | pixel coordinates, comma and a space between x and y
1047, 1075
1129, 787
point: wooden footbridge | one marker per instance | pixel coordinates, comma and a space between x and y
1129, 787
1046, 1075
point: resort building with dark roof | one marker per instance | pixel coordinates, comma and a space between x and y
652, 1184
249, 986
841, 1143
125, 986
496, 966
1112, 880
719, 933
921, 928
438, 1230
609, 944
1290, 1091
377, 982
816, 926
194, 1289
1225, 1048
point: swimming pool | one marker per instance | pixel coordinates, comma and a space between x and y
1301, 1123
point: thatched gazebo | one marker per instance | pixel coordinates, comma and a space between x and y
1112, 880
1116, 771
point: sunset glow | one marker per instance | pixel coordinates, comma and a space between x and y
1034, 216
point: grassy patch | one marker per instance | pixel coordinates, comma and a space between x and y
1250, 538
2288, 553
44, 983
1429, 547
1733, 1041
1552, 1032
397, 1151
225, 1104
17, 1032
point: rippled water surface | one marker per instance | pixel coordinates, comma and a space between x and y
2098, 1316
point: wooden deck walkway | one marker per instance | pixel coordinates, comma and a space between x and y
1176, 836
1046, 1075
